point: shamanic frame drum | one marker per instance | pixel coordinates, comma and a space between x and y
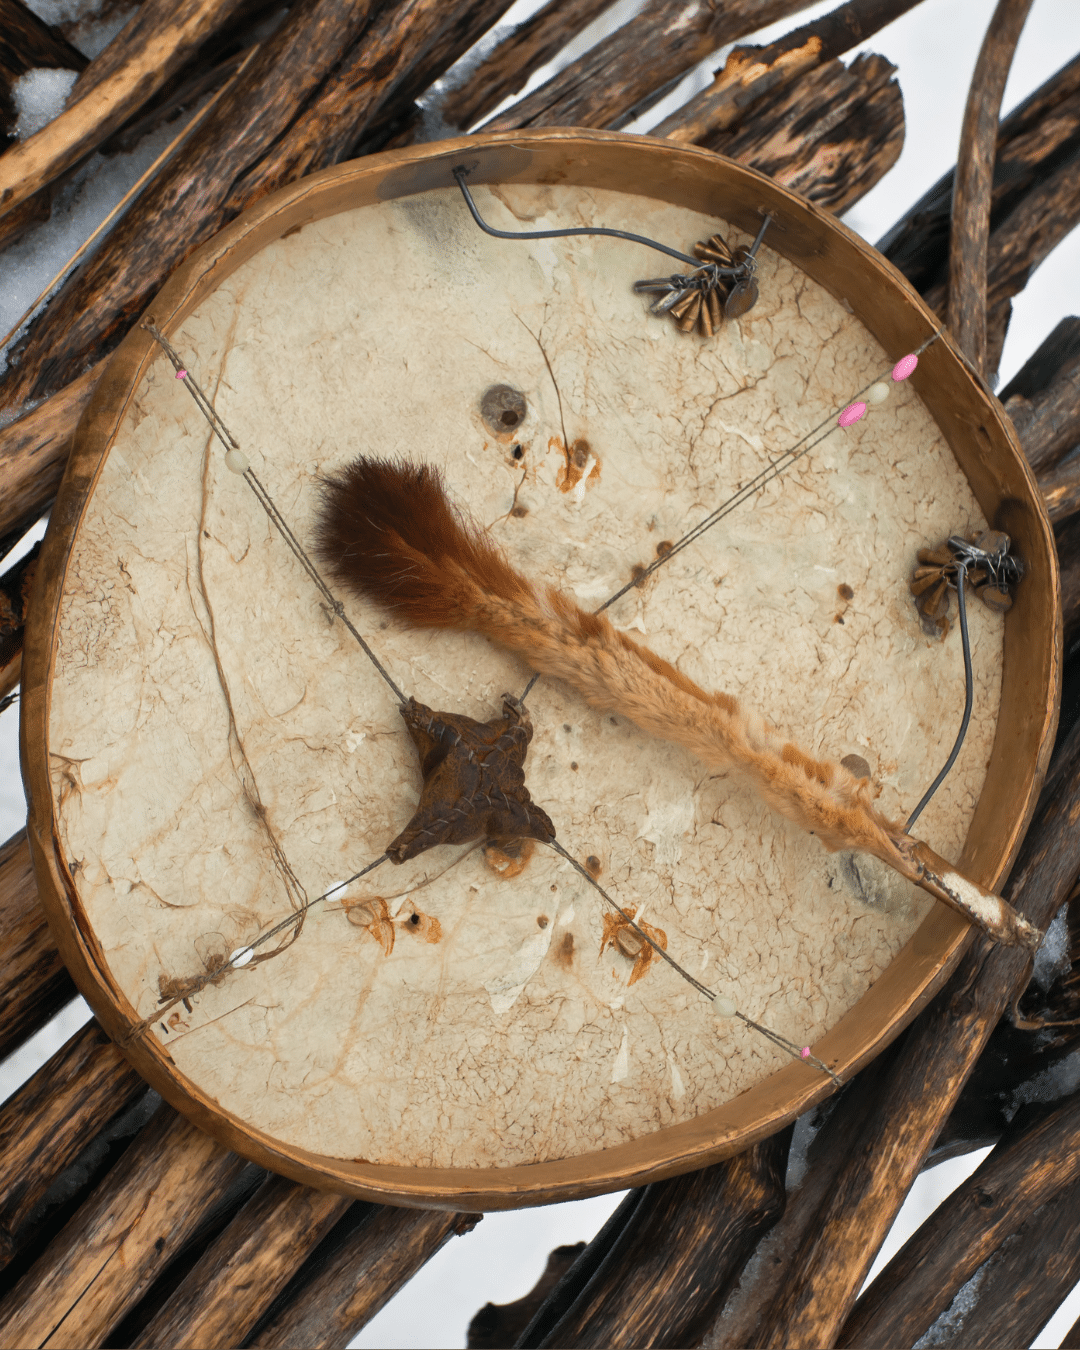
207, 749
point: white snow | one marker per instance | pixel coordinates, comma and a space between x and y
1052, 958
39, 96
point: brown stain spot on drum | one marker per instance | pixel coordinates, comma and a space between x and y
664, 547
425, 926
542, 921
593, 866
576, 460
509, 857
573, 765
845, 592
838, 618
564, 953
621, 935
372, 914
519, 512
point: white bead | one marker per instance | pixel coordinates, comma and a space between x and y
236, 460
877, 393
723, 1007
241, 956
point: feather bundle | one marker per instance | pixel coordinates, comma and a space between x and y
388, 532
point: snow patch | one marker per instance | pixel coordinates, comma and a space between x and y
39, 96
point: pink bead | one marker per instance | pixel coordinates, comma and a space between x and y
181, 374
806, 1052
851, 414
905, 366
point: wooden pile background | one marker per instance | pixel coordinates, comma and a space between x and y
123, 1225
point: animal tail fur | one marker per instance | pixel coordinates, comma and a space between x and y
388, 532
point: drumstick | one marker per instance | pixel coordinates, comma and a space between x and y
388, 531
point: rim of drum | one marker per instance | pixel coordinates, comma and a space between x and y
973, 424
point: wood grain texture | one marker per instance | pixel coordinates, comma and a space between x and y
121, 1238
33, 982
257, 1252
626, 72
1032, 142
974, 174
34, 451
1060, 488
301, 104
1020, 1287
52, 1117
830, 135
671, 1266
507, 68
1044, 399
1027, 1170
162, 36
737, 1322
751, 72
1022, 241
329, 1303
821, 1280
15, 587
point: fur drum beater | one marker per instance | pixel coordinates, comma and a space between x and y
387, 531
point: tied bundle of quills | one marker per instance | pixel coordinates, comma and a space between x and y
704, 299
937, 571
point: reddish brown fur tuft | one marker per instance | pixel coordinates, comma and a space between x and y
387, 531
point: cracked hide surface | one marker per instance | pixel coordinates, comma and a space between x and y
197, 675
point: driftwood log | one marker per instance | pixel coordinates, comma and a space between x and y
34, 985
122, 1224
974, 179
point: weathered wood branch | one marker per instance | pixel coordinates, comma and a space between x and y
628, 71
831, 135
501, 1324
507, 68
751, 72
673, 1264
34, 985
14, 594
1033, 141
161, 37
809, 1181
1016, 1291
1028, 1169
121, 1238
1019, 244
820, 1279
302, 103
1044, 398
258, 1252
35, 449
48, 1122
339, 1291
970, 231
455, 33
